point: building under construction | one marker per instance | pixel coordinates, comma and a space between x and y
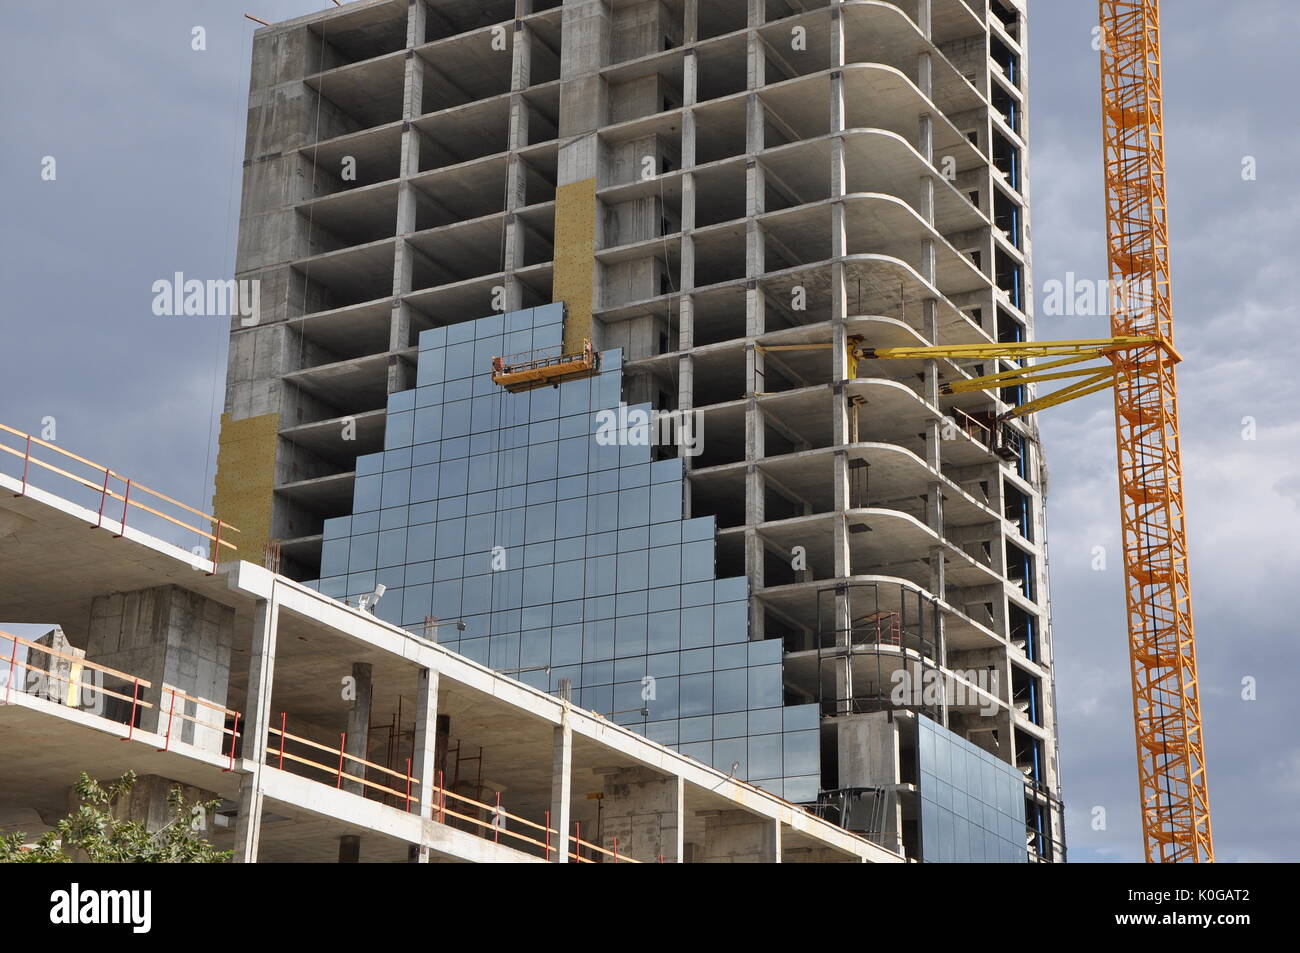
700, 212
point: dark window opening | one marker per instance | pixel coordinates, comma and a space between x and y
1021, 570
1006, 59
1007, 216
1022, 630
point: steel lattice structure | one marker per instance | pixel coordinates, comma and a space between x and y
1166, 696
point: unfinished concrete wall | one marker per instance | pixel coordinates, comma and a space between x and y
641, 815
735, 837
173, 638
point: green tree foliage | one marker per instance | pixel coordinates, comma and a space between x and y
101, 838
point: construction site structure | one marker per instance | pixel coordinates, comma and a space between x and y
241, 687
719, 196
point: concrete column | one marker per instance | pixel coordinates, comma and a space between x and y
843, 560
839, 248
643, 810
515, 234
399, 336
869, 756
147, 802
756, 58
925, 74
686, 389
755, 499
424, 758
837, 38
586, 39
51, 676
843, 665
561, 790
357, 742
349, 849
868, 750
934, 441
257, 718
925, 17
737, 837
690, 79
170, 637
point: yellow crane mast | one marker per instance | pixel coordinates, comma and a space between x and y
1166, 695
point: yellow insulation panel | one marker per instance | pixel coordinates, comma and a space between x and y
575, 258
246, 480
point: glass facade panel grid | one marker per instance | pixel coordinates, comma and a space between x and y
564, 552
972, 803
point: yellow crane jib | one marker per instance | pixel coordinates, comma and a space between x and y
1119, 352
539, 371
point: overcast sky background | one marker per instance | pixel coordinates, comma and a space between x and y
148, 138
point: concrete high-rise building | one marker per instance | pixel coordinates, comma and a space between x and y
732, 199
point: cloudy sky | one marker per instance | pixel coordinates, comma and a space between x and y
147, 136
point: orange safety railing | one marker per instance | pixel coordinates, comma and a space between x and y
138, 704
112, 486
227, 714
602, 855
487, 820
73, 678
335, 768
538, 368
498, 816
887, 627
975, 429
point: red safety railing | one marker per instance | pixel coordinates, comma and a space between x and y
112, 488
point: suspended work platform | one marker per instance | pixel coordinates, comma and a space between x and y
538, 368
